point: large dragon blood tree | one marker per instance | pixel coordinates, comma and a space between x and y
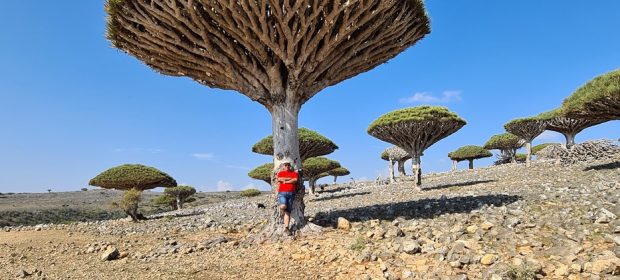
528, 129
597, 99
395, 154
133, 179
569, 127
415, 129
277, 53
469, 153
506, 143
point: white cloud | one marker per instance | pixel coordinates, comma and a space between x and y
224, 186
550, 136
203, 156
447, 96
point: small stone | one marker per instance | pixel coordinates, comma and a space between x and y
561, 271
343, 224
472, 229
495, 277
123, 255
575, 268
488, 259
411, 247
110, 254
486, 226
383, 267
22, 273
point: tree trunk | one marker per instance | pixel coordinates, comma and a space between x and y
391, 170
335, 177
528, 158
454, 165
284, 119
417, 172
570, 139
513, 156
179, 203
471, 163
312, 186
401, 168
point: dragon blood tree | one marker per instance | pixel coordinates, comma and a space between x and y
506, 143
469, 153
316, 168
262, 173
180, 194
415, 129
597, 99
527, 129
340, 171
133, 179
277, 53
399, 155
311, 144
569, 127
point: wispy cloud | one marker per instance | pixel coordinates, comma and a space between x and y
139, 150
224, 186
447, 96
203, 156
238, 167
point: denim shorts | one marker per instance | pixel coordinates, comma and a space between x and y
286, 198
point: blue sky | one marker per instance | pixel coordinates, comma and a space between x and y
71, 106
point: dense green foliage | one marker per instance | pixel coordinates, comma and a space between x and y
597, 99
132, 176
129, 202
521, 157
396, 152
537, 148
415, 114
340, 171
549, 115
165, 200
469, 153
526, 128
181, 191
311, 144
250, 192
504, 141
314, 166
262, 173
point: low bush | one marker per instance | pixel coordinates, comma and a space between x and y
250, 192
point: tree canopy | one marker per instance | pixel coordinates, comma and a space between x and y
262, 173
314, 166
597, 99
526, 128
504, 141
340, 171
470, 152
569, 127
395, 153
311, 144
132, 176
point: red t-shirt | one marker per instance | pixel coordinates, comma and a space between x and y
288, 187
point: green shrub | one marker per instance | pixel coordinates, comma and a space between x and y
520, 273
180, 194
250, 192
84, 189
129, 203
359, 245
164, 200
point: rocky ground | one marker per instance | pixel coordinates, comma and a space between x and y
504, 222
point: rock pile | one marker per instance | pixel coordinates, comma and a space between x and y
584, 152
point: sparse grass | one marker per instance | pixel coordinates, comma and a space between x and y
359, 245
250, 192
522, 272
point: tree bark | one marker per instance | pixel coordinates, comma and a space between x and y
179, 203
312, 186
570, 139
401, 168
454, 165
528, 157
417, 172
284, 119
391, 170
471, 164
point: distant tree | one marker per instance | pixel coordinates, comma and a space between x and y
415, 129
521, 157
133, 179
598, 99
279, 54
340, 171
49, 190
180, 193
311, 144
316, 168
538, 148
165, 200
569, 127
527, 129
395, 154
250, 193
469, 153
262, 173
507, 143
84, 189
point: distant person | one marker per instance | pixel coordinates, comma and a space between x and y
287, 177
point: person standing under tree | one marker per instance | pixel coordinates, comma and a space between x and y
287, 178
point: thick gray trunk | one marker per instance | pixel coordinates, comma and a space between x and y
570, 139
335, 177
284, 119
471, 164
179, 202
312, 185
391, 170
454, 165
528, 157
401, 168
513, 156
417, 172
